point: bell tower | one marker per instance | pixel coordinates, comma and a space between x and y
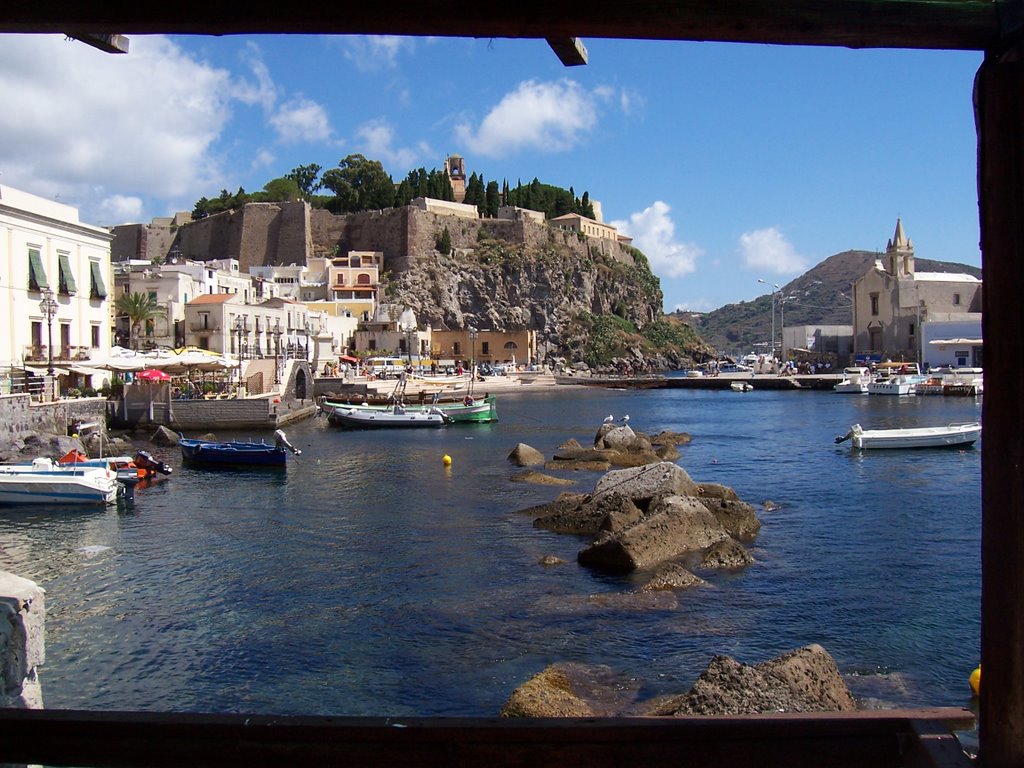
455, 167
900, 253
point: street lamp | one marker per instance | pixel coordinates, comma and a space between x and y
775, 288
277, 349
473, 333
48, 306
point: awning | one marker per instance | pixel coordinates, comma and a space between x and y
97, 290
66, 278
36, 273
957, 342
348, 359
85, 370
43, 371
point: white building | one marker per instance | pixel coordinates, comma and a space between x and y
48, 258
294, 281
953, 340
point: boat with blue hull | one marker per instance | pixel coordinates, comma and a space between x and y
237, 453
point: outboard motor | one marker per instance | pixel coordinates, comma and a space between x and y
145, 460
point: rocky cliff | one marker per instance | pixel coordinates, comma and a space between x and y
499, 274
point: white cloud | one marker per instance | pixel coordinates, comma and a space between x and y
120, 209
301, 119
654, 233
264, 159
376, 139
549, 117
768, 249
700, 304
263, 92
81, 124
373, 53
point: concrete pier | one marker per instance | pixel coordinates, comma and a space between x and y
22, 648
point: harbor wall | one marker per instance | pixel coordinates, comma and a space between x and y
22, 647
18, 415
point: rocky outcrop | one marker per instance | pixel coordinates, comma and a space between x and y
547, 694
617, 445
164, 436
643, 517
27, 446
524, 455
804, 680
671, 527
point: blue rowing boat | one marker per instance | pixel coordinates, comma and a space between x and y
237, 453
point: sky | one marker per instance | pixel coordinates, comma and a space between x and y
726, 163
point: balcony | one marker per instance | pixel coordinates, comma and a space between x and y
39, 353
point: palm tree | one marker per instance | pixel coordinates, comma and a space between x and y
138, 307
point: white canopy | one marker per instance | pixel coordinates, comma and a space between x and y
957, 342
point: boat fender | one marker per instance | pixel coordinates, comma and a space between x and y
975, 681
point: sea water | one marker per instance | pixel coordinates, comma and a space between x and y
369, 578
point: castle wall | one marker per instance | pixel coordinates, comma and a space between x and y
262, 234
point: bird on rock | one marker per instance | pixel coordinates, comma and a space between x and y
609, 419
625, 419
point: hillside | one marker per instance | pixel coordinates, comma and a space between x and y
819, 296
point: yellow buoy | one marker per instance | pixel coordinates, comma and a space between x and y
447, 460
976, 680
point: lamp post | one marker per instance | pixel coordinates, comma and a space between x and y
48, 306
775, 289
277, 349
473, 333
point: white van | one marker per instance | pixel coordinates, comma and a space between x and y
385, 367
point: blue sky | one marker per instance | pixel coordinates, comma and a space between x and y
725, 163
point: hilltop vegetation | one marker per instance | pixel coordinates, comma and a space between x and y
360, 184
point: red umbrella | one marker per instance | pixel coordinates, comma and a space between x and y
152, 374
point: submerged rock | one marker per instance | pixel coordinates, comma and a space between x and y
539, 478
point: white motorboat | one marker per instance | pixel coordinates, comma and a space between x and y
741, 386
896, 379
894, 385
951, 435
854, 382
397, 416
45, 482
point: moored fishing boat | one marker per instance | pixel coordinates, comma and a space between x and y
237, 453
466, 411
46, 482
951, 435
395, 417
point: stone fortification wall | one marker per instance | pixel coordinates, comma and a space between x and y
22, 648
285, 233
294, 241
18, 415
210, 238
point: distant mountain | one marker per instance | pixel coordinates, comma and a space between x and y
818, 297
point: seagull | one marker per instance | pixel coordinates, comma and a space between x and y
625, 419
609, 419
